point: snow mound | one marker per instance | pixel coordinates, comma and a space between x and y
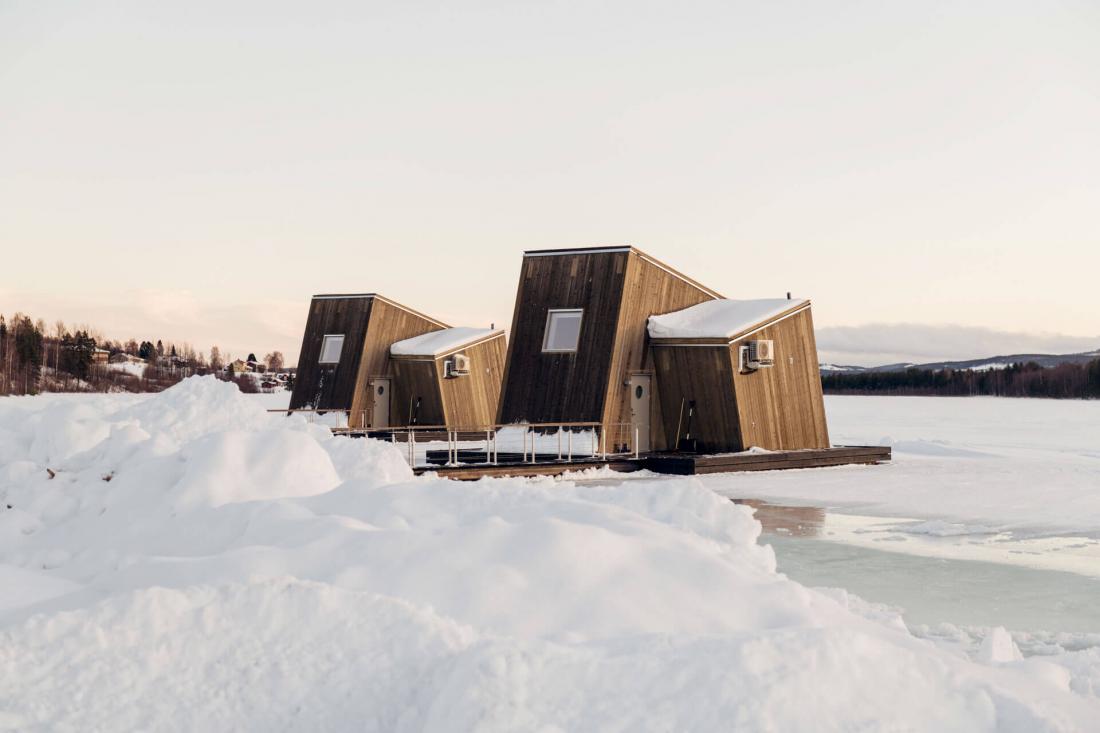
190, 562
719, 318
440, 342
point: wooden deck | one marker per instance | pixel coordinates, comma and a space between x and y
686, 465
474, 466
472, 472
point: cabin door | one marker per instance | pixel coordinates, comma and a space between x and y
380, 414
639, 409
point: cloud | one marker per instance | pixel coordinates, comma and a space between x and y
887, 343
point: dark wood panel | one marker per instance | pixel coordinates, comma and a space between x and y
415, 395
324, 386
554, 387
702, 375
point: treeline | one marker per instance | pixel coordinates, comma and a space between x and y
37, 358
1065, 381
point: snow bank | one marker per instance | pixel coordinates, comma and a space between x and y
198, 564
719, 318
440, 342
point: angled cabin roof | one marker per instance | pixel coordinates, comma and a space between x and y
437, 344
721, 321
366, 324
615, 289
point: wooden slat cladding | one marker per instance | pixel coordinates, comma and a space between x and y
467, 401
778, 408
415, 394
557, 387
389, 323
618, 289
781, 407
688, 374
471, 400
331, 386
648, 290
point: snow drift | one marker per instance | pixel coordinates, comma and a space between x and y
195, 563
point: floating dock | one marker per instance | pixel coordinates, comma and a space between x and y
472, 464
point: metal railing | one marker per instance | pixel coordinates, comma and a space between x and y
570, 441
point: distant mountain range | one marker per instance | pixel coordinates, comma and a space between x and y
992, 362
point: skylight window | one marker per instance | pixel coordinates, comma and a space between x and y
331, 346
563, 330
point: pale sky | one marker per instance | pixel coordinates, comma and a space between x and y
195, 171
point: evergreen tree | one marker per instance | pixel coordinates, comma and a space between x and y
77, 353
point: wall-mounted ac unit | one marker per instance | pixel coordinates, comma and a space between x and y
757, 355
457, 366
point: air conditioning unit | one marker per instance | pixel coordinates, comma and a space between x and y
457, 366
757, 355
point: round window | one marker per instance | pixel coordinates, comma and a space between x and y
638, 392
381, 390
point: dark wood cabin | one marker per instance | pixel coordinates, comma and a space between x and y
579, 349
450, 377
345, 362
740, 374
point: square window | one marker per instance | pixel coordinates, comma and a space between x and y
331, 346
563, 330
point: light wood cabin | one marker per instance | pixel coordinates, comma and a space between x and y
579, 351
345, 362
450, 377
712, 398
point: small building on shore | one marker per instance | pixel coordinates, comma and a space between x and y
345, 364
448, 378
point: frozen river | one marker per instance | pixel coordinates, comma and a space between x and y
989, 515
1022, 583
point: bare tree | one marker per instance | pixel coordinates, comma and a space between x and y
274, 360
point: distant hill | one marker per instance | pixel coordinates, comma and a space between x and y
988, 363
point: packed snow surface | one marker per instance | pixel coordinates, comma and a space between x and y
719, 318
188, 561
990, 462
440, 342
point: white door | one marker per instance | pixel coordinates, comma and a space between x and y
639, 409
380, 416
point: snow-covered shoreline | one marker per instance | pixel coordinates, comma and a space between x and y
197, 563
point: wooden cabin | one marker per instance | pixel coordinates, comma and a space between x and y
579, 349
345, 360
450, 377
735, 374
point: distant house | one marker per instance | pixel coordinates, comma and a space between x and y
100, 356
237, 367
124, 358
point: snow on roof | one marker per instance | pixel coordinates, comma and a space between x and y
719, 318
440, 342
